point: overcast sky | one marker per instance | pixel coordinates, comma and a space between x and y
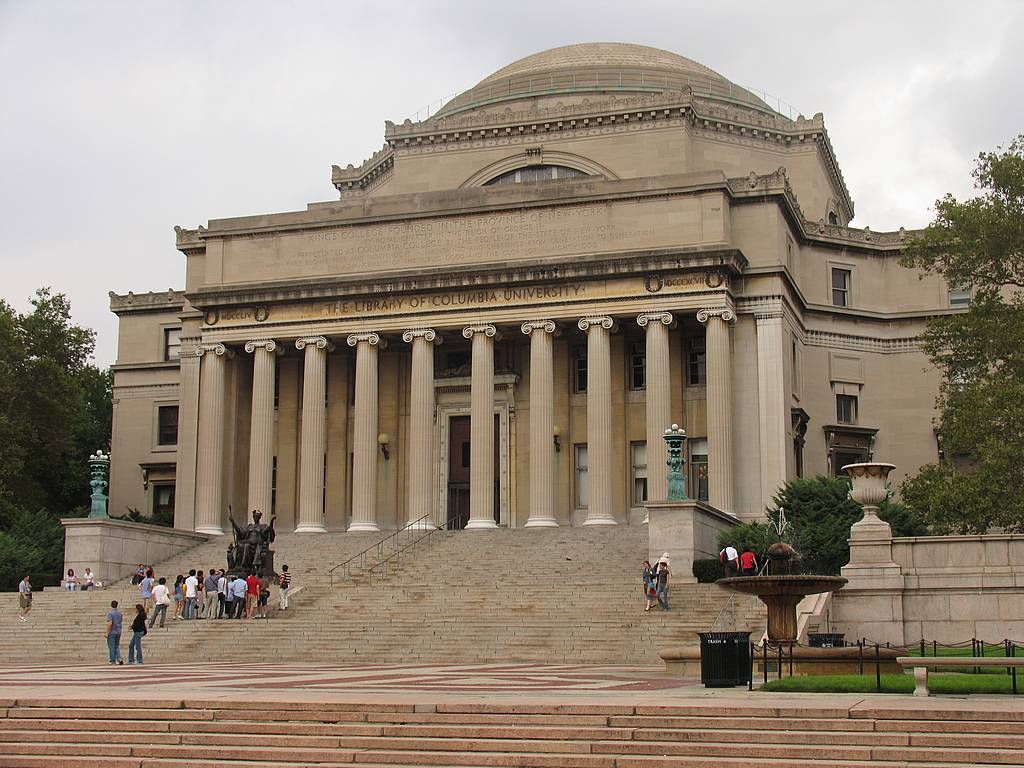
122, 119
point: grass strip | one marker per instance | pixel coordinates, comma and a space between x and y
902, 683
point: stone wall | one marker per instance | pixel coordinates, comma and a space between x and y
944, 588
687, 530
113, 548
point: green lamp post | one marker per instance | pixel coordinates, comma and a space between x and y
99, 465
676, 437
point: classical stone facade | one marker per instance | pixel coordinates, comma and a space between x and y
509, 302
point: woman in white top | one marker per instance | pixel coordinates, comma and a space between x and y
88, 579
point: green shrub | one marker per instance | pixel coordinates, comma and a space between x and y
708, 571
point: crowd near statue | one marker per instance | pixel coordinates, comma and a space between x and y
251, 550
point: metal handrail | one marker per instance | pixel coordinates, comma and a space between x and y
397, 548
397, 554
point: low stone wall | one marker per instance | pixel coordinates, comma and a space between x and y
944, 588
687, 530
114, 548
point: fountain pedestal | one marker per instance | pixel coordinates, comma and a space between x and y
781, 594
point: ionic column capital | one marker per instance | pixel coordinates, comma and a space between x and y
216, 348
427, 334
320, 342
665, 318
548, 326
725, 313
268, 344
370, 337
486, 329
585, 323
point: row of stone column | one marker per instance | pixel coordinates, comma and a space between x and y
210, 454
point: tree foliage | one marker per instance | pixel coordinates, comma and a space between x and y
819, 513
977, 243
55, 409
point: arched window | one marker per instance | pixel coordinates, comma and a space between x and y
833, 219
536, 173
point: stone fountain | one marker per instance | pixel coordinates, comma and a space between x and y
781, 590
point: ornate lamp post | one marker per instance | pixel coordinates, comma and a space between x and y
675, 437
99, 465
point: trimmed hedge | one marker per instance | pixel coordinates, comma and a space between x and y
708, 571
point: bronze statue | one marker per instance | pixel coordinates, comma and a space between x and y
251, 548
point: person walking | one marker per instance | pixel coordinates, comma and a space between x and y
114, 620
663, 576
748, 562
179, 595
138, 631
730, 558
162, 598
146, 590
649, 579
284, 583
191, 592
24, 599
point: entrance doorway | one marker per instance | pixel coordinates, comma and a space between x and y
459, 453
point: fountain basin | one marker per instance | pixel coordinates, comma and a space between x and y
781, 594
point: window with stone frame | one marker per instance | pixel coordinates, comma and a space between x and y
582, 495
959, 297
163, 500
696, 361
841, 281
698, 469
637, 366
638, 458
172, 344
579, 368
167, 425
535, 173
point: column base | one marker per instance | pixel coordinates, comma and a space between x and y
364, 528
600, 521
210, 530
541, 522
420, 525
310, 528
480, 524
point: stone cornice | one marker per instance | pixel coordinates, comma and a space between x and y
372, 172
860, 343
147, 302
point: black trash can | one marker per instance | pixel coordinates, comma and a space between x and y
826, 639
724, 659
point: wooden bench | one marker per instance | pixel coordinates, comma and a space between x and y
920, 665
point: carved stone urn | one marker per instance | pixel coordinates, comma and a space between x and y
869, 489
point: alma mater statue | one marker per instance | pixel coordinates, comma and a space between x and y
250, 550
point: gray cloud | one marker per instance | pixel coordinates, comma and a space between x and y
123, 119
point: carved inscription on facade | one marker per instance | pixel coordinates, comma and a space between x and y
471, 239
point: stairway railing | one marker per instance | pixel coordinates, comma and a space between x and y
398, 542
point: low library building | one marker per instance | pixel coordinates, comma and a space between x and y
500, 312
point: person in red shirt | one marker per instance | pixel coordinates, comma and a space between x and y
252, 592
748, 562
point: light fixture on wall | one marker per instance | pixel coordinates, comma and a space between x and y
145, 478
383, 439
558, 445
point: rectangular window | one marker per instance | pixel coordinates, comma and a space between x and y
696, 362
638, 452
638, 366
163, 500
846, 409
698, 469
167, 425
841, 287
579, 369
582, 486
959, 297
172, 343
841, 458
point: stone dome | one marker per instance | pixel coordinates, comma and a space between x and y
599, 68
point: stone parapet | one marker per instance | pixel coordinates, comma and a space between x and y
113, 549
687, 530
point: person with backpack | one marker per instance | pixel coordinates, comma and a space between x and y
730, 560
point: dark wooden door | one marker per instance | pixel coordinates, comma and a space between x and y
459, 470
